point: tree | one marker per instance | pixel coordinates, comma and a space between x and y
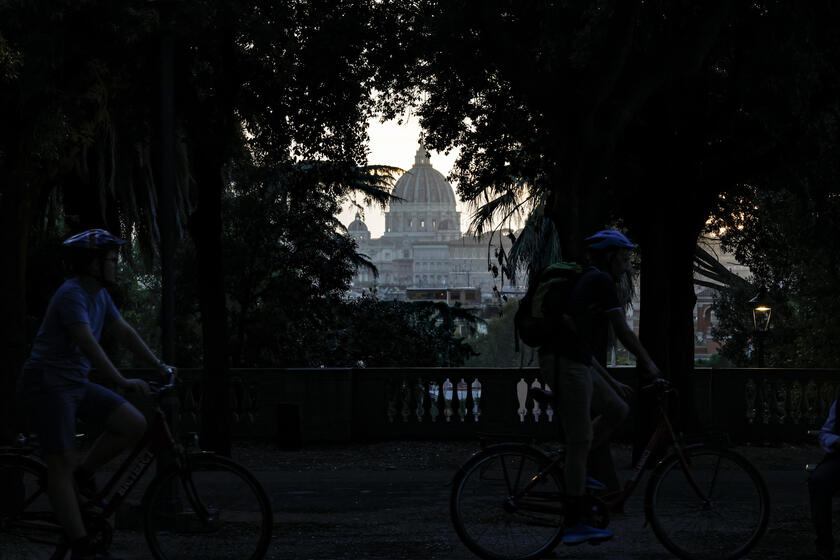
632, 113
77, 114
788, 241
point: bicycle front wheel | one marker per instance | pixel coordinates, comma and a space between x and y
493, 514
28, 528
723, 521
212, 509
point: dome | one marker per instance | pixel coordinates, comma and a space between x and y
357, 225
423, 184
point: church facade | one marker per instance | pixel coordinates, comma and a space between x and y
423, 246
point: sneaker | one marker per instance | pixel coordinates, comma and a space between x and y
580, 533
592, 484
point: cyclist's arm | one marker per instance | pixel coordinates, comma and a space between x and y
91, 348
129, 337
624, 391
630, 341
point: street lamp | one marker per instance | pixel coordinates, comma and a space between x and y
762, 309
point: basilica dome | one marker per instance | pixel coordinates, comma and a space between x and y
424, 185
358, 229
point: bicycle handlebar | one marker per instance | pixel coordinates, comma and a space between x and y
157, 389
661, 386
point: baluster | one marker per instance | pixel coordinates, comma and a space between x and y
447, 399
462, 399
420, 397
796, 402
549, 408
766, 396
190, 405
391, 396
476, 396
522, 396
781, 402
405, 394
252, 403
826, 398
434, 398
537, 410
233, 401
750, 393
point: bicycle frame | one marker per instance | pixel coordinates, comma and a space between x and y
658, 442
157, 438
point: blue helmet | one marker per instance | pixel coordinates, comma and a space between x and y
94, 239
609, 239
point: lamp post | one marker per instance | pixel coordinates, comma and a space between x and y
762, 310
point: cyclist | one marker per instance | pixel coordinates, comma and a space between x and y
582, 385
824, 484
54, 385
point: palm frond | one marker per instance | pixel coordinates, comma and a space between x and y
537, 245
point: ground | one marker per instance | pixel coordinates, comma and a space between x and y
389, 500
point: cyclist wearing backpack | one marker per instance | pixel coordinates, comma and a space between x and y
54, 386
582, 385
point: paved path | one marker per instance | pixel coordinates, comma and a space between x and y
351, 514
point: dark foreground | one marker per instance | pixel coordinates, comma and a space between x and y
390, 501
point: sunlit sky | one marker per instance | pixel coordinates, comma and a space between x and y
395, 144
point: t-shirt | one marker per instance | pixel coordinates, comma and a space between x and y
54, 349
829, 432
591, 299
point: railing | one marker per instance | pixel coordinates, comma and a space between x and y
296, 406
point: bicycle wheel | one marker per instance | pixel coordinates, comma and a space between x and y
212, 509
723, 527
28, 528
489, 516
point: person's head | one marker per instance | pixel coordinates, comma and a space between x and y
610, 251
94, 253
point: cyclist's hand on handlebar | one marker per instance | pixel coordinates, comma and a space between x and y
166, 370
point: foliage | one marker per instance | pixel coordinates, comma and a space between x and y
788, 239
497, 347
394, 333
290, 262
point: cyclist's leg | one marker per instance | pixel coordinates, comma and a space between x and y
611, 409
62, 492
574, 395
53, 416
124, 425
822, 485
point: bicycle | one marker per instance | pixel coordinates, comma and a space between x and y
702, 501
199, 506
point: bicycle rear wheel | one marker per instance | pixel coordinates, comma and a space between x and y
28, 528
726, 525
212, 509
489, 516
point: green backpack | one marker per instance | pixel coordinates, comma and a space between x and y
530, 323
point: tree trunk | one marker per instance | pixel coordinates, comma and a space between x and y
666, 325
206, 228
15, 216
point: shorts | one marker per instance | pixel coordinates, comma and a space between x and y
52, 412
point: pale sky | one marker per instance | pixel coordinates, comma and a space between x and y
396, 145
